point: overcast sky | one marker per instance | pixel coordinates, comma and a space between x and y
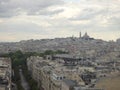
37, 19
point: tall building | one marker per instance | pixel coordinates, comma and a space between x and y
80, 35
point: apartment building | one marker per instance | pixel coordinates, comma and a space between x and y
5, 73
53, 75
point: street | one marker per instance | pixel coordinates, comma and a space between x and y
23, 81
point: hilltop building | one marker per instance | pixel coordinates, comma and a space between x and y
85, 36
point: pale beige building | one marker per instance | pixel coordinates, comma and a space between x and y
50, 75
5, 74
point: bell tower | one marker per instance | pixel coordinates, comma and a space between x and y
80, 35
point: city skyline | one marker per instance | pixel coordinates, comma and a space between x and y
39, 19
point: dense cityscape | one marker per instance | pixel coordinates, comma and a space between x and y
72, 63
59, 44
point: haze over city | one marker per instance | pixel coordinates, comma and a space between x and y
37, 19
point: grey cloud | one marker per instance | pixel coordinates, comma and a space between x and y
13, 7
114, 23
96, 8
24, 27
103, 8
46, 12
88, 13
2, 1
57, 11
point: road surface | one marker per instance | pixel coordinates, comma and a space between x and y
23, 81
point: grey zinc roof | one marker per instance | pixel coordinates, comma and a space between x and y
69, 82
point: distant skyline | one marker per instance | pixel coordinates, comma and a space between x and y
39, 19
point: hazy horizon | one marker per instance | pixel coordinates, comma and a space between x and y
41, 19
